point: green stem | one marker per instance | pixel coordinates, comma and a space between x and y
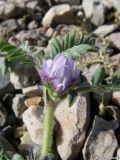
98, 88
48, 129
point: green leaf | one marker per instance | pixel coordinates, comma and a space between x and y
99, 76
116, 77
72, 45
76, 51
72, 96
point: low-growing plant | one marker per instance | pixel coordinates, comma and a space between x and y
60, 76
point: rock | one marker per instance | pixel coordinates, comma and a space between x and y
116, 98
72, 124
23, 76
114, 112
7, 146
3, 115
104, 30
49, 32
58, 14
28, 35
33, 101
33, 120
19, 131
101, 142
115, 4
73, 2
25, 144
10, 24
19, 3
33, 91
32, 25
95, 10
118, 152
5, 84
18, 105
115, 39
7, 9
89, 72
32, 4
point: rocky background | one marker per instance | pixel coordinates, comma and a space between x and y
80, 132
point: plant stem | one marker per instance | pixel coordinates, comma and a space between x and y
48, 129
98, 88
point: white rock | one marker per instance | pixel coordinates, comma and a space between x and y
115, 3
33, 91
33, 120
7, 9
72, 124
101, 142
103, 30
95, 10
58, 14
18, 105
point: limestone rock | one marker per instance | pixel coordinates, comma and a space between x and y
33, 101
7, 9
72, 124
33, 91
115, 39
33, 120
25, 143
103, 30
58, 14
116, 98
115, 4
18, 105
23, 76
95, 10
101, 142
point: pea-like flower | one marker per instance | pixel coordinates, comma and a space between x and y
60, 73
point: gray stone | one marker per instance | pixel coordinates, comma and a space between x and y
19, 3
7, 9
7, 146
115, 39
24, 76
58, 14
32, 4
24, 146
103, 30
5, 84
95, 10
10, 24
72, 125
3, 115
33, 91
101, 142
115, 4
33, 120
18, 105
32, 25
74, 2
116, 98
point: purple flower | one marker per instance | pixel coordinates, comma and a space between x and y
59, 72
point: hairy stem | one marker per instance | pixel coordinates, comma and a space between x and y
48, 129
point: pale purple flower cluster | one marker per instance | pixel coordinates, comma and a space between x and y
59, 72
